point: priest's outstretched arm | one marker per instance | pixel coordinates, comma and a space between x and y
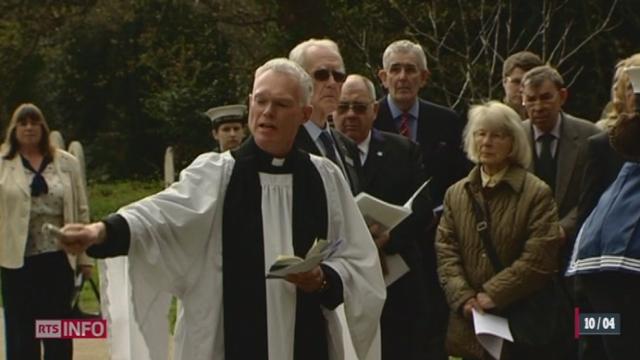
111, 237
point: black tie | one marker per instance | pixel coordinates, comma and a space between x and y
546, 164
329, 148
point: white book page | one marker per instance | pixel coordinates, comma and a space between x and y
396, 268
409, 202
379, 211
491, 331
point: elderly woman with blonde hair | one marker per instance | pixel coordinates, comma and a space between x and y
521, 225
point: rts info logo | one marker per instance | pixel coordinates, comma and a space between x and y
71, 329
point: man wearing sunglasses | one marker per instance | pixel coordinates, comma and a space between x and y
438, 131
322, 60
392, 170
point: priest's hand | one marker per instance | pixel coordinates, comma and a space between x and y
76, 238
310, 281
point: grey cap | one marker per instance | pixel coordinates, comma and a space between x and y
228, 113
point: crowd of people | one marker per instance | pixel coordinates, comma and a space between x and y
520, 194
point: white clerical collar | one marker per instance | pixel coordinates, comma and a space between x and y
277, 162
364, 148
489, 181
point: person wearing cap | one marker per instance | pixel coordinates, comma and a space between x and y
227, 126
211, 237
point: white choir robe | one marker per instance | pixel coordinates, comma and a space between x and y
176, 248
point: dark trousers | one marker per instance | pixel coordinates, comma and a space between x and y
404, 322
617, 292
41, 289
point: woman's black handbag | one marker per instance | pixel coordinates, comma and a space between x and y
539, 319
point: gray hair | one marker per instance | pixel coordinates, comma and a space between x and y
496, 116
288, 67
404, 46
299, 53
539, 74
371, 89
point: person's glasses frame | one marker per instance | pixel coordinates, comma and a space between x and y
357, 107
324, 74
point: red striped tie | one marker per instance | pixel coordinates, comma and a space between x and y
404, 129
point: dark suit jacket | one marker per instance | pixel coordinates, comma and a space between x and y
572, 156
393, 171
601, 169
439, 134
347, 149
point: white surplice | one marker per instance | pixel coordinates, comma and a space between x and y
176, 248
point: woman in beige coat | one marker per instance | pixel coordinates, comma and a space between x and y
523, 226
38, 184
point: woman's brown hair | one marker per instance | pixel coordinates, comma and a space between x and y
23, 113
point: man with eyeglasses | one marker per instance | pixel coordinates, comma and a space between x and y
558, 140
513, 69
322, 60
392, 170
438, 131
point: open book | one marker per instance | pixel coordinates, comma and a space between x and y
491, 331
386, 214
291, 264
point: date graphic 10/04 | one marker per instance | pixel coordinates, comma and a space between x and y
598, 324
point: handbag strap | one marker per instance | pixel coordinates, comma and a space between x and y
482, 227
76, 298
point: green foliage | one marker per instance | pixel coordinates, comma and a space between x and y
128, 78
139, 82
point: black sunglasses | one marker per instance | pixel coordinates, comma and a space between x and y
323, 75
358, 107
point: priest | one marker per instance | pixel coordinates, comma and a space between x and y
210, 238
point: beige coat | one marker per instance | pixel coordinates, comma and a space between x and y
525, 232
15, 205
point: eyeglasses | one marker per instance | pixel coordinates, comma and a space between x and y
358, 107
323, 75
